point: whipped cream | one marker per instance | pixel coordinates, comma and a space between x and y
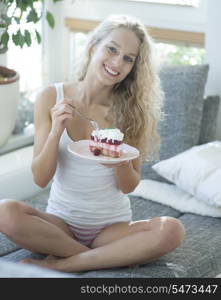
108, 133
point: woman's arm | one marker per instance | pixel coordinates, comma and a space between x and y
128, 175
50, 120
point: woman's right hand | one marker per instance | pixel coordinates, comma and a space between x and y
61, 112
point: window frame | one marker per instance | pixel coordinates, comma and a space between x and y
160, 34
167, 2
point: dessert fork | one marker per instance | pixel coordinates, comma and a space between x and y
93, 123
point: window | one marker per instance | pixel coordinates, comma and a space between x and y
173, 46
179, 54
167, 53
27, 61
78, 41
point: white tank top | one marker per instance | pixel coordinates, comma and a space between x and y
84, 192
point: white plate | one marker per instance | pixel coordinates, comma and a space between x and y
81, 149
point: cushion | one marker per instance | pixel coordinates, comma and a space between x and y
196, 171
15, 175
184, 92
209, 120
199, 255
172, 196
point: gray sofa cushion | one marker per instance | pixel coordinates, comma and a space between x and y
198, 257
209, 120
184, 92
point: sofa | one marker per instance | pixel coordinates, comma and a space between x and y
190, 120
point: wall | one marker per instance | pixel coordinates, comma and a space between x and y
183, 18
213, 52
53, 46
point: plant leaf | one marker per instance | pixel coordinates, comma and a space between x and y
38, 36
32, 16
23, 4
50, 19
5, 38
18, 39
27, 38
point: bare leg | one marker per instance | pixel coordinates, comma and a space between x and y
37, 231
142, 242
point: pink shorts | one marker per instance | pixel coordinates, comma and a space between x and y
85, 235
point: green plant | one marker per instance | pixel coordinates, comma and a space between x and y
20, 12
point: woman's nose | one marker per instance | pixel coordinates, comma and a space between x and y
117, 61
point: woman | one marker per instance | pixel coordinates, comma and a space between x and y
88, 223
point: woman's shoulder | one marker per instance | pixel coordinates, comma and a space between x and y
48, 91
46, 96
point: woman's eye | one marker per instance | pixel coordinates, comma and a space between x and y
128, 59
112, 49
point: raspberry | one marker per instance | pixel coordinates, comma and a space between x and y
97, 151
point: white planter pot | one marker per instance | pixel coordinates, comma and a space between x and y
9, 96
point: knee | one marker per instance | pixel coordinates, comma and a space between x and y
10, 214
172, 233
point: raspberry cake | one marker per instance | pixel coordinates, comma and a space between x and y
107, 142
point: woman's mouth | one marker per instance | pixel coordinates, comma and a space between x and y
110, 71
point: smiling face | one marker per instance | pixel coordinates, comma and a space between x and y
114, 57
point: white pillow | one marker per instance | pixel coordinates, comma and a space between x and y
196, 171
171, 195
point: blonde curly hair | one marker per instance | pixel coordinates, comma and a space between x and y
138, 99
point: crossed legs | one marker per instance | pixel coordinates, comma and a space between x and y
37, 231
117, 245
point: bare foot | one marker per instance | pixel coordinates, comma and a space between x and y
49, 262
51, 257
